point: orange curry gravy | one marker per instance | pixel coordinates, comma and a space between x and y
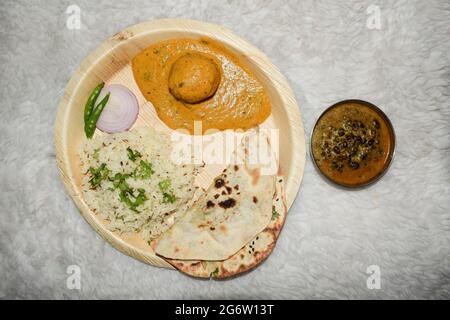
352, 143
239, 102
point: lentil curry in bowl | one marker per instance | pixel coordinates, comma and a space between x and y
352, 143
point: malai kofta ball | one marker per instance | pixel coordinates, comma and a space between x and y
194, 77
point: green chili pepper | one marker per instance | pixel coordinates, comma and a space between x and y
91, 101
89, 127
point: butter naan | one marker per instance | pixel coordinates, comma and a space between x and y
234, 209
249, 256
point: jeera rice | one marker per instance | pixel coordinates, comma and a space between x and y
130, 180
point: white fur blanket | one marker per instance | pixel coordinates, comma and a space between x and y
329, 51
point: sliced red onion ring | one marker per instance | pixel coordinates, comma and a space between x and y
120, 112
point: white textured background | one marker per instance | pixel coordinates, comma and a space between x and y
328, 54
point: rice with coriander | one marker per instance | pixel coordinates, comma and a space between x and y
130, 180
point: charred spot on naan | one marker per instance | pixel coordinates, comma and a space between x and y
255, 174
227, 204
195, 264
223, 228
224, 189
203, 225
191, 268
219, 183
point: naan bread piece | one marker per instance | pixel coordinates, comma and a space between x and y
251, 255
234, 209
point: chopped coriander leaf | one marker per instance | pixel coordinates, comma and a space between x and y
98, 175
126, 193
96, 153
144, 171
215, 273
132, 201
124, 196
169, 197
133, 155
164, 185
275, 214
140, 199
119, 181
